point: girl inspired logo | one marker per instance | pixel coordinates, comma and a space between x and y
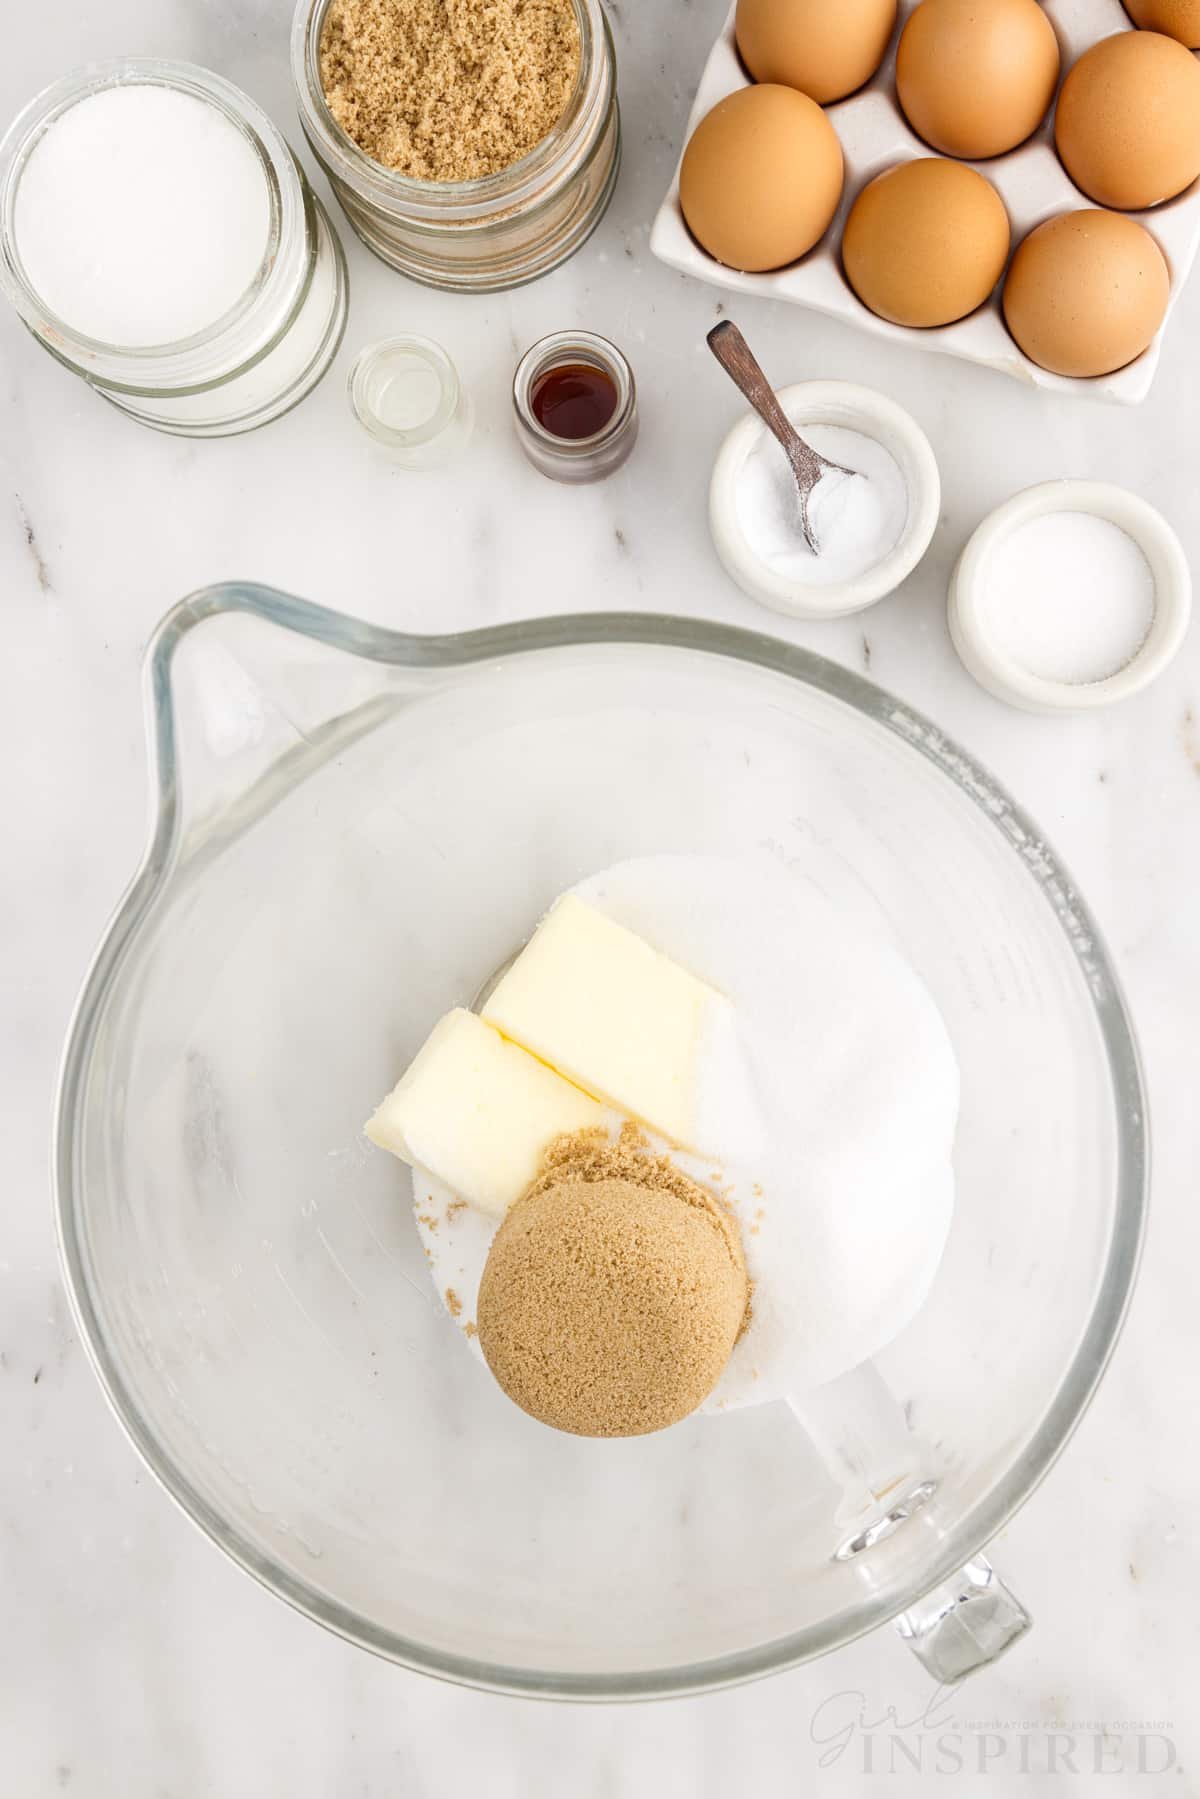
878, 1739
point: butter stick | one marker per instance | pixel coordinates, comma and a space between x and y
614, 1016
478, 1113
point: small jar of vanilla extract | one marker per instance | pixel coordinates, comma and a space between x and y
575, 404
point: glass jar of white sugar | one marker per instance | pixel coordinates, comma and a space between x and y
159, 238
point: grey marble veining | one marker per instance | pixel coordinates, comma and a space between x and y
134, 1661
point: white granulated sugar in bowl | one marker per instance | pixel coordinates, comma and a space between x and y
1068, 597
840, 1176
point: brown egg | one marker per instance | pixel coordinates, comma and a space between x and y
975, 77
826, 48
925, 242
761, 178
1086, 292
1128, 122
1174, 18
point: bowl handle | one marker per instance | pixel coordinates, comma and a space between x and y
887, 1476
965, 1623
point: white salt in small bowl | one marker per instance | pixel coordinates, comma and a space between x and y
991, 657
842, 404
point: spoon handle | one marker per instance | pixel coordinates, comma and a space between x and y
738, 360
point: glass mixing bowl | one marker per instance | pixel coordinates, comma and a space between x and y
354, 828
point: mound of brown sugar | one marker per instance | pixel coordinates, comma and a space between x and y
448, 90
614, 1291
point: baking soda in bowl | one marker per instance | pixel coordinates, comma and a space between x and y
857, 518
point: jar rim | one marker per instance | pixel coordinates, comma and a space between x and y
509, 187
422, 350
185, 361
551, 352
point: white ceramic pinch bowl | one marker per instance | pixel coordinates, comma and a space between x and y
856, 409
1005, 678
874, 135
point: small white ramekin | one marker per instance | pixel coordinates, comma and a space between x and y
857, 409
1006, 679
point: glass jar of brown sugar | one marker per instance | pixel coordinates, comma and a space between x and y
497, 231
575, 406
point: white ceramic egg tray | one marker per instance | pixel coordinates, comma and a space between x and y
875, 134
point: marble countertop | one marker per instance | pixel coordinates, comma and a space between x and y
134, 1661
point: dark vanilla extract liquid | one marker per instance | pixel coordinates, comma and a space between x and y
574, 401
